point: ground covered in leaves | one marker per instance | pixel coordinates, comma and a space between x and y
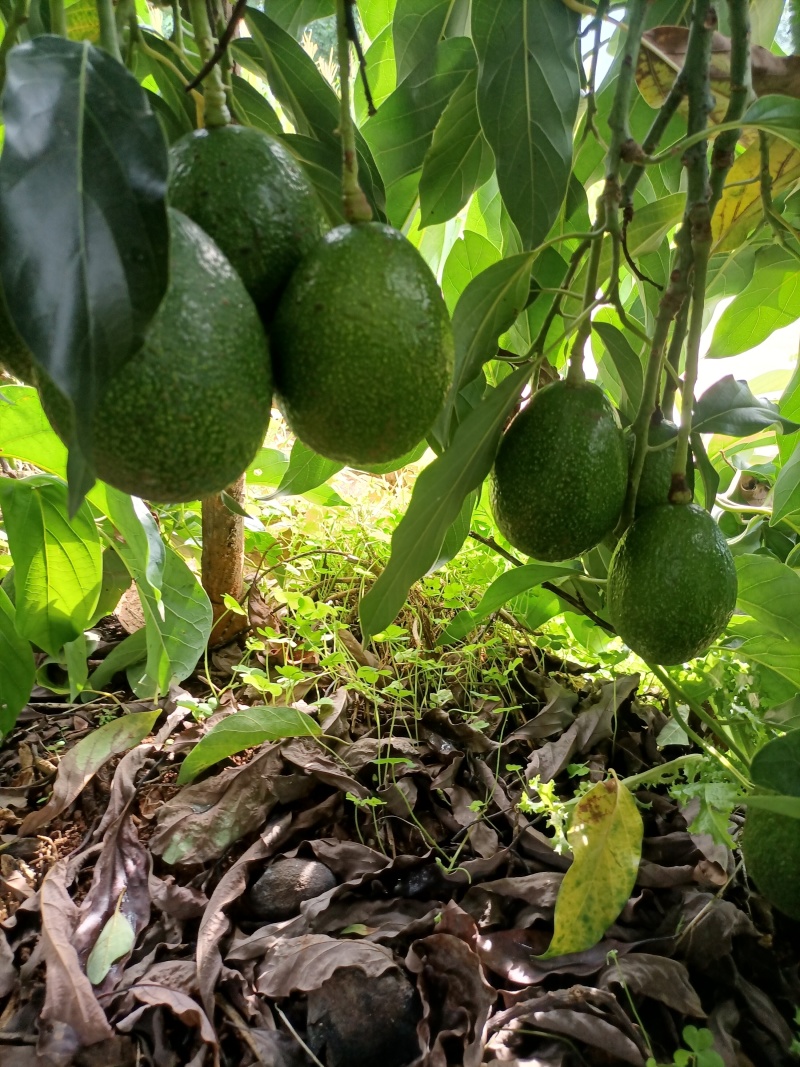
374, 897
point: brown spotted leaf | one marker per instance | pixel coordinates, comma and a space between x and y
605, 834
739, 209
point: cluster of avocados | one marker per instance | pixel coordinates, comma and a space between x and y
348, 328
558, 487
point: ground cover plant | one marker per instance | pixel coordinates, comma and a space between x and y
399, 640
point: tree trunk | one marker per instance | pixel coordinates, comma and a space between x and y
223, 562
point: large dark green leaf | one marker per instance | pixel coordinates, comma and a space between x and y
18, 667
626, 362
528, 92
83, 223
57, 561
322, 163
458, 532
728, 407
417, 27
253, 109
294, 78
777, 765
459, 159
294, 15
488, 307
437, 499
401, 132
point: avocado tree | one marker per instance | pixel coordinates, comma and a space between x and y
529, 208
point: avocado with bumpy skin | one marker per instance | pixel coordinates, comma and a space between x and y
656, 479
560, 474
671, 584
183, 417
770, 846
362, 347
250, 196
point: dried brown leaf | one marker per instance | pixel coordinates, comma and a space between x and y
657, 977
304, 963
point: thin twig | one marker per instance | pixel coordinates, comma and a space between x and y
222, 45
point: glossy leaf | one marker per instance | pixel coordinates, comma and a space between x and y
84, 760
381, 74
245, 729
401, 132
84, 157
438, 495
417, 27
26, 434
294, 15
528, 93
729, 408
488, 306
306, 470
458, 532
626, 362
781, 805
782, 657
605, 834
771, 300
769, 591
115, 940
18, 667
786, 492
459, 159
376, 15
509, 585
57, 561
776, 765
470, 255
253, 109
778, 115
131, 651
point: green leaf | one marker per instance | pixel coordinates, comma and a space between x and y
729, 408
779, 115
84, 159
401, 132
528, 93
57, 561
438, 495
487, 307
322, 164
786, 492
376, 15
470, 254
252, 107
242, 730
115, 581
115, 940
84, 760
381, 74
18, 667
776, 765
128, 653
769, 591
171, 103
294, 15
306, 471
781, 657
509, 585
771, 300
652, 222
459, 159
25, 432
458, 532
417, 27
268, 468
781, 805
626, 362
605, 835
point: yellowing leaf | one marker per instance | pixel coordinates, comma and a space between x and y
82, 21
605, 834
739, 208
116, 940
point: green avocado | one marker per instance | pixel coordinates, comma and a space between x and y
560, 474
184, 417
362, 346
654, 485
15, 355
671, 584
770, 846
250, 196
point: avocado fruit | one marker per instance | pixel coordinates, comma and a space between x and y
250, 196
560, 474
770, 844
184, 416
656, 479
362, 347
671, 584
15, 355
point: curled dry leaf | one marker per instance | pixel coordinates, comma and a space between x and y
152, 994
657, 977
304, 963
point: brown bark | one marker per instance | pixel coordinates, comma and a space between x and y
223, 563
